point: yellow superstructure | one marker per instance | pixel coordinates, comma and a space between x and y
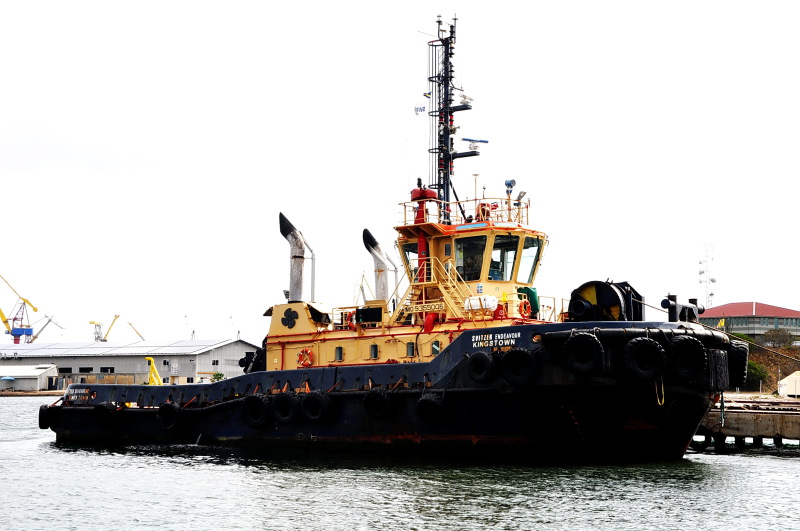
476, 272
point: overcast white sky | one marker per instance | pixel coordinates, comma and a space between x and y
146, 148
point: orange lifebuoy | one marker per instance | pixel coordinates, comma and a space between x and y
525, 308
305, 358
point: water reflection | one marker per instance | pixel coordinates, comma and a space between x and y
193, 486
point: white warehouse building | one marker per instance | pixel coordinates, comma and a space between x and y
177, 362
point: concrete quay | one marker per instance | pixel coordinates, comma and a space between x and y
742, 417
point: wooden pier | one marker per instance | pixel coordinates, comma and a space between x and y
742, 417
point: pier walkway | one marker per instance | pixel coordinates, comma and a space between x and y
753, 417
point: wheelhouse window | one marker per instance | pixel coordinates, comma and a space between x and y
469, 256
531, 250
504, 253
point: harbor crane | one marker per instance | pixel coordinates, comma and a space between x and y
50, 319
98, 329
137, 332
18, 326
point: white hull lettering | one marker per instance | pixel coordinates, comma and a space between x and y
500, 339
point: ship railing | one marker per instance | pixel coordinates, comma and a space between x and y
468, 211
454, 292
343, 317
552, 309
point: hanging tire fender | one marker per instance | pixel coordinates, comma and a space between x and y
583, 354
717, 377
687, 359
737, 363
256, 411
44, 417
480, 367
104, 413
644, 359
285, 407
520, 367
315, 406
429, 408
168, 415
378, 403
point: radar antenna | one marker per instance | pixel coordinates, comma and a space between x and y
442, 149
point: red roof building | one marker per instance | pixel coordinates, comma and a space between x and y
752, 318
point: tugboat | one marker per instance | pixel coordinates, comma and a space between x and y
464, 362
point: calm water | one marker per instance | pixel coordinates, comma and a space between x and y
48, 487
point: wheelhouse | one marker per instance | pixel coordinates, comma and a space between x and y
487, 258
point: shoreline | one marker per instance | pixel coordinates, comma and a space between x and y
32, 393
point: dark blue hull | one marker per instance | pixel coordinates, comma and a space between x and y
537, 401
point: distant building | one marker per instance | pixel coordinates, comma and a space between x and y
752, 318
27, 377
790, 386
177, 362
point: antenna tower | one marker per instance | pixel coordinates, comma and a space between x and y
706, 276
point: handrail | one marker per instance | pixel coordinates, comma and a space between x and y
469, 211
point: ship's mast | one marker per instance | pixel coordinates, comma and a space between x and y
442, 148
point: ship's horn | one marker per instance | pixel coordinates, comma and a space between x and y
297, 245
382, 262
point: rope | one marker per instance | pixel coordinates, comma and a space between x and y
737, 338
399, 382
334, 386
660, 400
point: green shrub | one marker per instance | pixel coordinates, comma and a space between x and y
744, 337
756, 373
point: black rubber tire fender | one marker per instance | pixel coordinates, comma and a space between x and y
520, 367
168, 415
104, 413
378, 403
737, 363
285, 407
687, 359
717, 377
644, 359
256, 411
429, 408
316, 405
44, 417
583, 354
480, 367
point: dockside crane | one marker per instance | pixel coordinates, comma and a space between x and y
18, 326
98, 329
50, 319
137, 332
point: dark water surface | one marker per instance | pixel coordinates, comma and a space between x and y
45, 486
